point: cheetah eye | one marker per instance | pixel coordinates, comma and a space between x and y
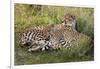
66, 18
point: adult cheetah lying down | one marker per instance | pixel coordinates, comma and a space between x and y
70, 40
63, 36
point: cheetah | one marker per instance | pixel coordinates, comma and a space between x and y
34, 39
70, 39
39, 37
63, 35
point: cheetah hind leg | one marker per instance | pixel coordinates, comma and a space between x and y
67, 44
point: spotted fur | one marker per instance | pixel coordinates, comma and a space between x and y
62, 35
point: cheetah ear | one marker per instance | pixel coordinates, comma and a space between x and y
73, 17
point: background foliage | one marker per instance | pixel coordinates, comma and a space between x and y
27, 16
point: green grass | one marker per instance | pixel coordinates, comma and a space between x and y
27, 16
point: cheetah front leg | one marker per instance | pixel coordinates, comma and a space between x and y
41, 45
34, 48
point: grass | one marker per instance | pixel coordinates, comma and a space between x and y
27, 16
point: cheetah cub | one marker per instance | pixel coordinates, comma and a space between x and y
34, 39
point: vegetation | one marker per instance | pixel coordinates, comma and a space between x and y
27, 16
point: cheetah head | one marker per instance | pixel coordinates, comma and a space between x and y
69, 20
24, 40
